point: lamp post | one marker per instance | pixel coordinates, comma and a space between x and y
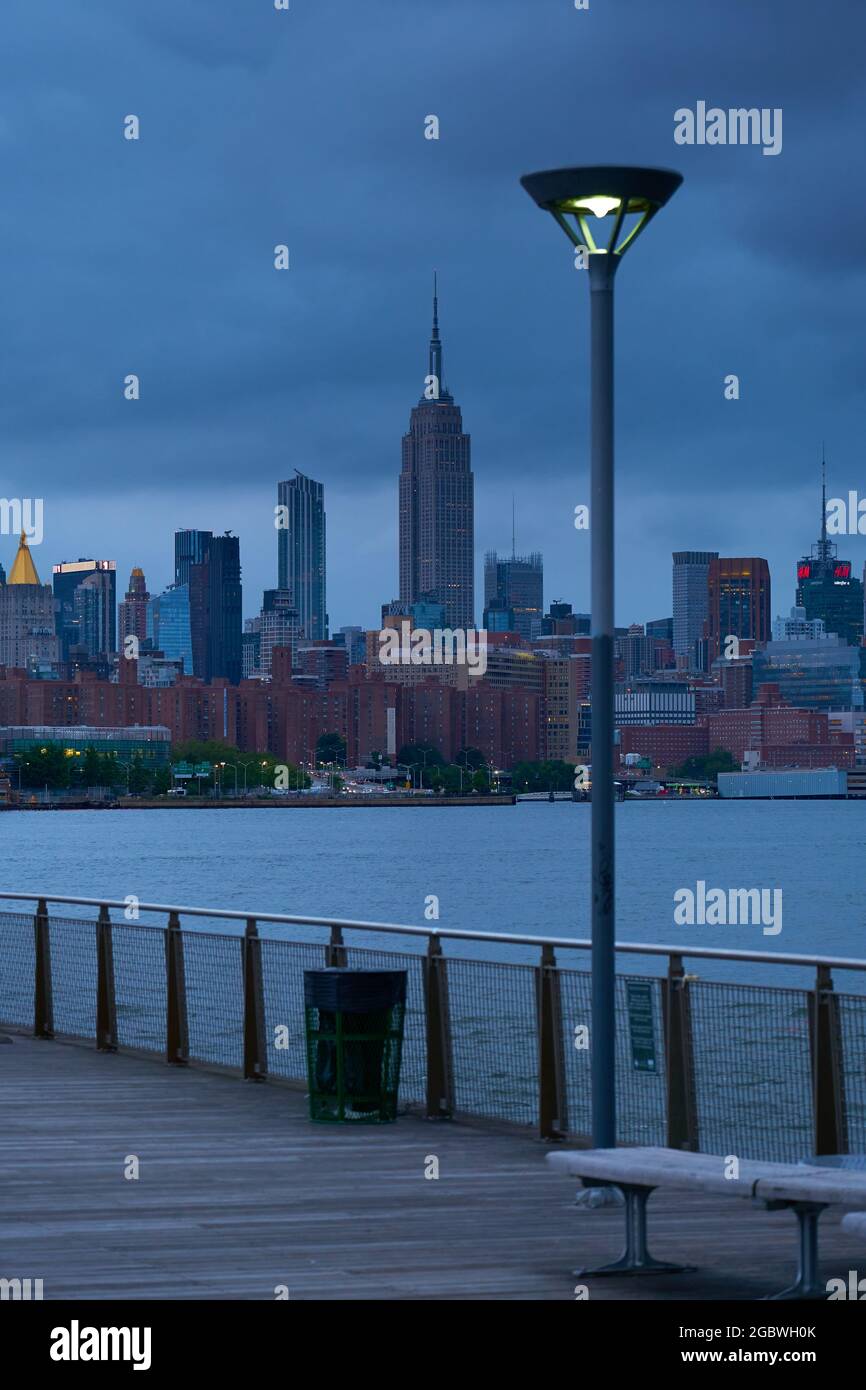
630, 198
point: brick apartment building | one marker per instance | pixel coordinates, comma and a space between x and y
286, 718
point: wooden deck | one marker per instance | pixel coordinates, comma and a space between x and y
238, 1194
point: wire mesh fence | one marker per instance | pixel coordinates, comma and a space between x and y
641, 1090
140, 991
736, 1069
283, 966
494, 1039
17, 969
752, 1065
852, 1011
213, 977
413, 1070
73, 975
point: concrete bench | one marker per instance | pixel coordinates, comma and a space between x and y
802, 1188
855, 1223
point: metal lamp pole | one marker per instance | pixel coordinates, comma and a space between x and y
617, 193
602, 270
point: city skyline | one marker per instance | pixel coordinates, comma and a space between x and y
301, 532
167, 270
791, 581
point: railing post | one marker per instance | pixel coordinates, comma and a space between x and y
255, 1048
682, 1110
552, 1120
176, 1027
43, 1005
335, 951
828, 1081
440, 1087
106, 1012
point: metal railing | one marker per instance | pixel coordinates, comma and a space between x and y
761, 1071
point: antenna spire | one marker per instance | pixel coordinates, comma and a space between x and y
825, 549
435, 358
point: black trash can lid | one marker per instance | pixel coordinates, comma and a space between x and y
354, 991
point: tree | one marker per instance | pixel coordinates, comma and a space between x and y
706, 767
330, 748
139, 775
161, 781
553, 775
453, 779
41, 767
423, 757
91, 768
112, 771
471, 758
195, 750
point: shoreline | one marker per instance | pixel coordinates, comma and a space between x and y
251, 803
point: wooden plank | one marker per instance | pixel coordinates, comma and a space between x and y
238, 1194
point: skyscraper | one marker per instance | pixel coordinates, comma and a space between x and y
437, 505
739, 602
189, 549
27, 635
99, 604
216, 610
278, 627
826, 587
132, 612
93, 607
691, 598
169, 627
301, 552
210, 567
518, 583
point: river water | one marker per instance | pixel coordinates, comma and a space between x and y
521, 869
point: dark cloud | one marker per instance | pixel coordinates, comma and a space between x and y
261, 127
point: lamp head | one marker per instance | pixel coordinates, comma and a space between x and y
605, 191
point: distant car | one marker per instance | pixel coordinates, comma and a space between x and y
176, 791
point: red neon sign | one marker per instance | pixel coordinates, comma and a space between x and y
803, 571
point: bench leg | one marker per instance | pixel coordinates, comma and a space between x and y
808, 1283
636, 1259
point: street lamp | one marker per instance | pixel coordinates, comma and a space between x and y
244, 766
626, 199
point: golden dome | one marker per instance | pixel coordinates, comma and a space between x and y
23, 570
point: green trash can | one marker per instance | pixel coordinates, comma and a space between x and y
354, 1027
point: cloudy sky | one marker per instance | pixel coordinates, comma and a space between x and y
306, 127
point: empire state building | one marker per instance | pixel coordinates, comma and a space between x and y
437, 500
